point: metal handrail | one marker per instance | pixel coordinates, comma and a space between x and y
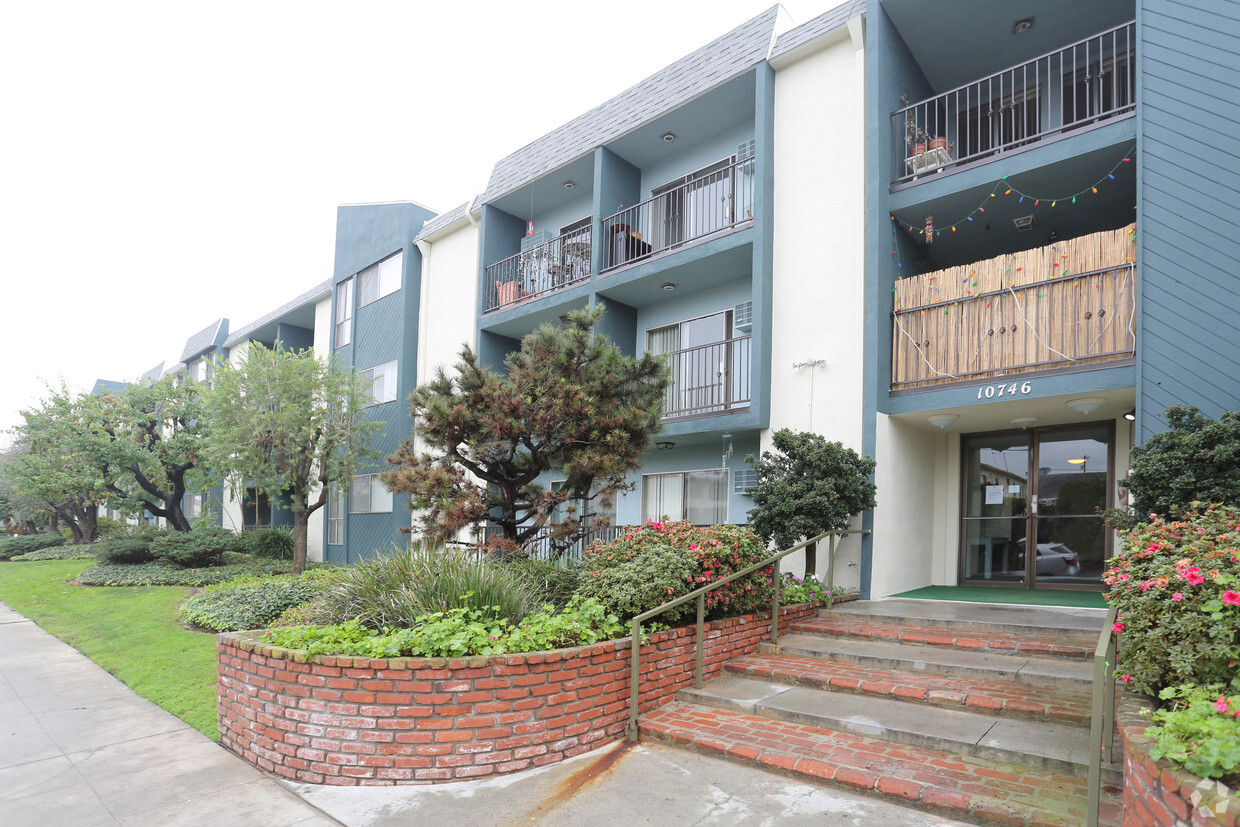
699, 595
1102, 714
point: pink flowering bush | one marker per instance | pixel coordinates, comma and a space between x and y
662, 560
1177, 587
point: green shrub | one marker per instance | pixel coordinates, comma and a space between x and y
275, 542
303, 614
124, 551
1200, 730
458, 632
12, 546
1195, 459
69, 552
108, 527
660, 561
248, 603
195, 549
401, 585
1177, 588
163, 573
796, 590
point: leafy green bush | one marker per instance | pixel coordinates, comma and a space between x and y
660, 561
250, 603
108, 527
195, 549
397, 587
1196, 459
70, 552
13, 546
1177, 587
124, 551
796, 590
1200, 730
458, 632
275, 542
310, 613
162, 573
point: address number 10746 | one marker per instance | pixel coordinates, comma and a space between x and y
998, 391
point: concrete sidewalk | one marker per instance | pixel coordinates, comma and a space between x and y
79, 748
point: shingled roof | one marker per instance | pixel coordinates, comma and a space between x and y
441, 221
820, 25
717, 62
210, 336
312, 295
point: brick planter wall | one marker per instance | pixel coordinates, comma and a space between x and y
350, 721
1158, 794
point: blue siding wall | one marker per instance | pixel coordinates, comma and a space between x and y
1188, 189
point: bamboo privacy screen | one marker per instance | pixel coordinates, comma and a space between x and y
1068, 303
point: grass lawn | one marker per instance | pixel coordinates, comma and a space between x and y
131, 631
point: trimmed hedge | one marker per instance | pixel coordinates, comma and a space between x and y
12, 546
164, 574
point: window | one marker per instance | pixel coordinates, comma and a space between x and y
379, 280
344, 312
701, 497
584, 510
380, 384
707, 370
335, 516
193, 506
367, 495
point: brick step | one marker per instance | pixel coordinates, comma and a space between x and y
975, 789
998, 643
941, 661
1067, 626
1060, 748
1064, 706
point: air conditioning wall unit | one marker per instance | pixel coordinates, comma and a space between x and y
742, 317
743, 480
743, 151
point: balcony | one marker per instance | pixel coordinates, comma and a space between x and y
1068, 89
708, 380
539, 270
1062, 306
707, 203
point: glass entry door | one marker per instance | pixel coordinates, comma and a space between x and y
1030, 507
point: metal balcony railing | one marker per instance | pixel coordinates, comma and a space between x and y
555, 265
1080, 84
708, 379
706, 204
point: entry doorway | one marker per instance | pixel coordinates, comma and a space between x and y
1030, 507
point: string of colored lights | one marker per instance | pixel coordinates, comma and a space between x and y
1009, 188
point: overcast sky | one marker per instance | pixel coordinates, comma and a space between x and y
165, 164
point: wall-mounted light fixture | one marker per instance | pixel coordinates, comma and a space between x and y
1131, 416
665, 446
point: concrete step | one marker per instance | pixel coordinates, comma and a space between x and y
975, 665
1002, 644
1070, 626
1053, 747
1012, 700
973, 788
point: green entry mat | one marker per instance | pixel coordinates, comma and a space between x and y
1024, 597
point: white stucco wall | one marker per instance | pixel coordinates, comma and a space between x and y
818, 256
230, 508
916, 507
449, 310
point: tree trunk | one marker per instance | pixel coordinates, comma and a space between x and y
811, 559
301, 531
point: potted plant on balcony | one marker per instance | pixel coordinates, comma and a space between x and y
925, 150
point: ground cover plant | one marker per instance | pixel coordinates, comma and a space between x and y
133, 633
459, 632
163, 573
661, 560
69, 552
254, 602
1199, 729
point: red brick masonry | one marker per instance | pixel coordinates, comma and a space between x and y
1157, 794
351, 721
